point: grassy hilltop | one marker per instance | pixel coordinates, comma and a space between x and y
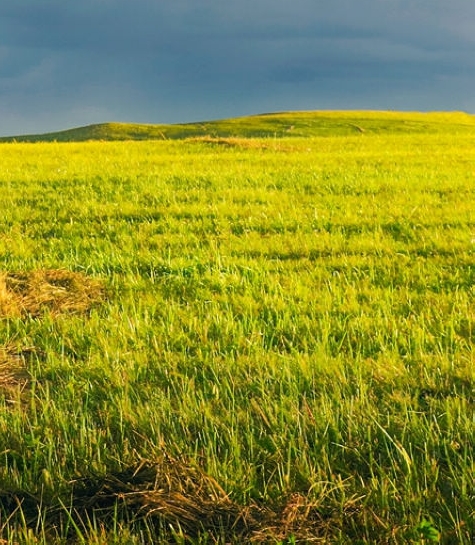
210, 338
296, 124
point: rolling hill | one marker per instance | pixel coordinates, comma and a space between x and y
291, 124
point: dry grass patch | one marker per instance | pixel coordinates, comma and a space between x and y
229, 142
242, 143
168, 493
173, 497
55, 291
14, 377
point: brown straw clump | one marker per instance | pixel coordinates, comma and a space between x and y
171, 497
167, 494
56, 291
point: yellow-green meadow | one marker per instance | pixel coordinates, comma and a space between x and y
254, 332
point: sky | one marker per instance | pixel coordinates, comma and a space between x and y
69, 63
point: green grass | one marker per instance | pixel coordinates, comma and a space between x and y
294, 124
291, 316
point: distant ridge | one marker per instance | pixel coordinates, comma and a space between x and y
292, 124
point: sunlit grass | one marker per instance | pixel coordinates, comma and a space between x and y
272, 125
293, 319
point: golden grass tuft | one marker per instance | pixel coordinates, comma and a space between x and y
56, 291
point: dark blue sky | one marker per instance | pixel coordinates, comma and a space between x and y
65, 63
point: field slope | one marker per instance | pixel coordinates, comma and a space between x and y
211, 338
296, 124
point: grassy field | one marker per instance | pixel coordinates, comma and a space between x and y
228, 338
272, 125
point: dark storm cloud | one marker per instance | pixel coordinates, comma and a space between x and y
66, 63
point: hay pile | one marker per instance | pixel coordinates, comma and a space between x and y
55, 291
